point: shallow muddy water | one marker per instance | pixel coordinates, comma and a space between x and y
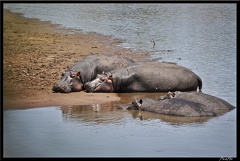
201, 37
105, 131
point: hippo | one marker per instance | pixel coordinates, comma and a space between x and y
86, 69
146, 77
186, 104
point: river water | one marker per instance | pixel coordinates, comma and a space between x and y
201, 37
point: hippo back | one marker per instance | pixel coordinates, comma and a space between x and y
177, 107
95, 64
211, 102
156, 77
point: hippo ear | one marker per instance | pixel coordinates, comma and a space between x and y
140, 101
173, 94
110, 77
78, 74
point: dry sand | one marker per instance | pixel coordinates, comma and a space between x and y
35, 53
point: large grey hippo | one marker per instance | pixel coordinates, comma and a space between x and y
191, 104
86, 70
146, 77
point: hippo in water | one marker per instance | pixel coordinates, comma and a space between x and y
86, 69
191, 104
147, 77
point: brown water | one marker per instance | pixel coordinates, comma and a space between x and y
201, 37
102, 130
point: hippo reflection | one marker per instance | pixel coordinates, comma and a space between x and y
86, 69
172, 119
188, 104
94, 113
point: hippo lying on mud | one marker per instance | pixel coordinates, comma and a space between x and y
147, 77
191, 104
86, 70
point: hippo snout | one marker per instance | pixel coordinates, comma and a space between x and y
61, 88
89, 87
63, 85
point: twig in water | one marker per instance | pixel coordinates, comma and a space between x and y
153, 43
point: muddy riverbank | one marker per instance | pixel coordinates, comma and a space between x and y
35, 53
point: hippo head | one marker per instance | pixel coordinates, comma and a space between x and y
102, 83
70, 82
135, 105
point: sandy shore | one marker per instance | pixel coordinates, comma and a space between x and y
35, 53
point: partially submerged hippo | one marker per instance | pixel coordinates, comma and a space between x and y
86, 70
191, 104
147, 77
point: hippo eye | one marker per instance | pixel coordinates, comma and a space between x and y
63, 73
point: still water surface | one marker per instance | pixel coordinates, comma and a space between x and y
201, 37
104, 131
